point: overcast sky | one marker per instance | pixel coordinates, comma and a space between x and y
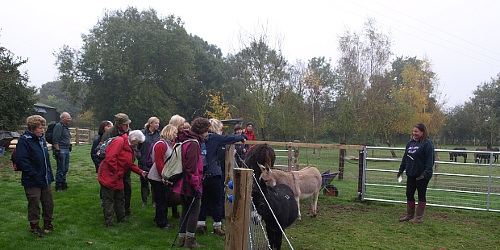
460, 38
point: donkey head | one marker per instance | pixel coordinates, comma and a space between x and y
267, 176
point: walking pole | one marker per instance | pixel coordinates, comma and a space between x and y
184, 220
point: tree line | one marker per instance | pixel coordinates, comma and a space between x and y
144, 65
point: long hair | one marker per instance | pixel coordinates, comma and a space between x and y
422, 128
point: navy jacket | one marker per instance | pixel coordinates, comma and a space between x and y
32, 156
212, 142
418, 158
143, 148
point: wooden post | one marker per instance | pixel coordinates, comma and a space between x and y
296, 160
238, 221
77, 136
289, 152
341, 163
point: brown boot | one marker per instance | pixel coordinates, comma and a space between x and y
191, 243
419, 216
219, 231
182, 240
410, 211
201, 229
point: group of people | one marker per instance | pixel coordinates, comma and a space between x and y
201, 188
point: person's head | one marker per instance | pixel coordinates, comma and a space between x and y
122, 122
65, 118
249, 126
420, 132
169, 132
135, 137
215, 126
104, 126
36, 124
200, 126
238, 129
153, 123
186, 126
178, 122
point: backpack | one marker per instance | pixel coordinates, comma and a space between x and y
101, 149
172, 171
13, 156
49, 134
149, 156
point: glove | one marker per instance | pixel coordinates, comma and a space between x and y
197, 194
421, 176
57, 154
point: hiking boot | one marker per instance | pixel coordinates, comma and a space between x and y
59, 187
48, 228
65, 186
191, 243
201, 229
182, 239
219, 231
38, 231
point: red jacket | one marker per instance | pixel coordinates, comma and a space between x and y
119, 158
250, 137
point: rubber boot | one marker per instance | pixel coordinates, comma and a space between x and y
144, 195
420, 213
410, 211
191, 242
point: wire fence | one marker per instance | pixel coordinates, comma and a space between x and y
472, 185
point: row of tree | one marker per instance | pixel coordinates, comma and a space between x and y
136, 62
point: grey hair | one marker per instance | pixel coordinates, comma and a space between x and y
136, 135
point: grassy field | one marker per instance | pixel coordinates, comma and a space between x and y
342, 223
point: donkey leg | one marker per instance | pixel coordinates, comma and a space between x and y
314, 204
298, 206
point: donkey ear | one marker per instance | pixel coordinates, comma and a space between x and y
268, 168
261, 167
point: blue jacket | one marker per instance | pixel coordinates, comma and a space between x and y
33, 157
418, 158
212, 142
142, 153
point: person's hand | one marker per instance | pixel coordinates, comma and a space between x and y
145, 174
197, 194
57, 154
400, 173
421, 176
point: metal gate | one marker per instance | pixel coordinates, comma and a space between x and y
469, 185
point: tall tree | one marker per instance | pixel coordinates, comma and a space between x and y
17, 97
260, 68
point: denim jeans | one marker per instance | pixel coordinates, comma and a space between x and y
62, 166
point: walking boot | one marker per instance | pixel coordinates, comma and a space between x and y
47, 226
420, 213
219, 231
201, 229
410, 211
35, 229
182, 240
191, 243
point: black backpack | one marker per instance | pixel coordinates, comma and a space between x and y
49, 135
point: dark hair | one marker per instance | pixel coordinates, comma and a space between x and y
200, 125
102, 125
422, 128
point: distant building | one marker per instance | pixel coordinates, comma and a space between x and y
49, 113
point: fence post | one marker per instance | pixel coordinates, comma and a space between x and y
77, 136
341, 162
296, 160
360, 173
289, 153
237, 224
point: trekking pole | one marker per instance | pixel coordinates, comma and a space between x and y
184, 220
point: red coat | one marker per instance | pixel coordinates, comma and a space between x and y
119, 158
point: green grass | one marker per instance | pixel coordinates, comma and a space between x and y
342, 223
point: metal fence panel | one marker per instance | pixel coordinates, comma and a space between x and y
469, 185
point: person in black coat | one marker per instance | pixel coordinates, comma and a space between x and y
103, 126
213, 176
33, 159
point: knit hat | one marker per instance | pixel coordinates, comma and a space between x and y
249, 123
